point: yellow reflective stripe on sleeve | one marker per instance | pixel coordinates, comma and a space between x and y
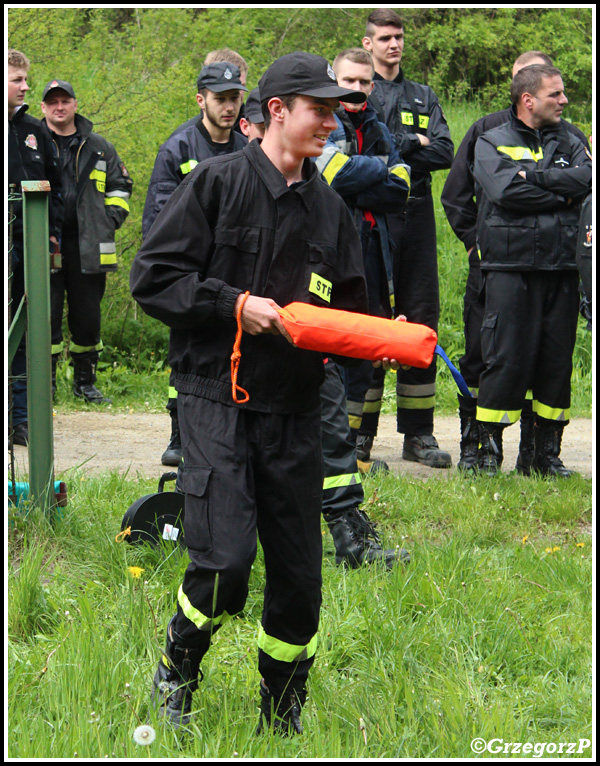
333, 167
117, 201
188, 166
344, 480
519, 153
504, 417
172, 392
284, 652
551, 413
402, 172
201, 621
108, 259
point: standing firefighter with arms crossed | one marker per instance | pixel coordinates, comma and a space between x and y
530, 173
243, 235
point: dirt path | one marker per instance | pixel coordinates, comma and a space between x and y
96, 442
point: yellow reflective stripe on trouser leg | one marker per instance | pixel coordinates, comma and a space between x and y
284, 652
343, 480
557, 414
502, 417
201, 621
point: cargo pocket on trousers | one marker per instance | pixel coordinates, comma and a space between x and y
198, 517
488, 338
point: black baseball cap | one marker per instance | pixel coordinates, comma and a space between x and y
58, 85
252, 110
219, 77
305, 74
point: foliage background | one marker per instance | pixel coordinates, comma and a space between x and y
134, 72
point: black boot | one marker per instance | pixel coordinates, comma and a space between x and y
364, 445
281, 711
424, 449
175, 680
526, 443
490, 454
172, 455
356, 541
548, 438
469, 435
84, 379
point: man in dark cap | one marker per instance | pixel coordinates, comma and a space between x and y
220, 97
96, 188
243, 236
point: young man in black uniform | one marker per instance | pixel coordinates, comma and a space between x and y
242, 236
30, 158
220, 96
413, 114
96, 188
460, 206
530, 173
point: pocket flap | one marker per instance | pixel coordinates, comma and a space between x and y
194, 480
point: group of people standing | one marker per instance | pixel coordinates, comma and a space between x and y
318, 189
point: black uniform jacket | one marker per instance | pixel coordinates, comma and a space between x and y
529, 224
458, 194
232, 226
31, 158
176, 158
409, 108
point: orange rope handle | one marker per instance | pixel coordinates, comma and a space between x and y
236, 357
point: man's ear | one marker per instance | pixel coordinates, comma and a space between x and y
200, 100
277, 109
367, 45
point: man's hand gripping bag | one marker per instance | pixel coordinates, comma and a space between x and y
360, 336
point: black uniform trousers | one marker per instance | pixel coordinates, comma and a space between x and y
364, 383
416, 289
471, 362
84, 293
342, 485
528, 338
245, 473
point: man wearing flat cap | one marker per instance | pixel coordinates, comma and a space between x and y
242, 236
96, 188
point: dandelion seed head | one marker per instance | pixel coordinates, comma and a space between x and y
144, 735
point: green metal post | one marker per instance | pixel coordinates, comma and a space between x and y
39, 364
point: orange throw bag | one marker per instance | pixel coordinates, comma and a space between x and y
360, 336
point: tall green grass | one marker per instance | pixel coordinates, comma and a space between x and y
486, 633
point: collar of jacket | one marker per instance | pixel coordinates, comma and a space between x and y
274, 180
397, 79
19, 113
545, 131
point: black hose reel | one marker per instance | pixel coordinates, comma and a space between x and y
156, 519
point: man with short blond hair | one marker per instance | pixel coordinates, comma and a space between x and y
30, 157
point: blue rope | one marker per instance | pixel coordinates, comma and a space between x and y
460, 381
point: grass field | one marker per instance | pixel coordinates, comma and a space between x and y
486, 633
